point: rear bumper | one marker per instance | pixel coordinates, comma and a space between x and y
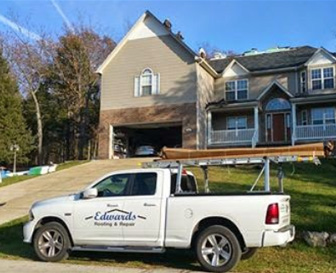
279, 237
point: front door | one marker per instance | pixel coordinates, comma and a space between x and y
278, 127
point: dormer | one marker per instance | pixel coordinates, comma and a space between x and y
318, 74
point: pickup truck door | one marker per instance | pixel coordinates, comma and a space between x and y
97, 221
146, 204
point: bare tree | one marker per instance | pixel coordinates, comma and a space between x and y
29, 60
212, 50
76, 57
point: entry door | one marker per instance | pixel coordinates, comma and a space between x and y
278, 122
97, 221
146, 206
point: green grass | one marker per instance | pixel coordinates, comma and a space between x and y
313, 192
16, 179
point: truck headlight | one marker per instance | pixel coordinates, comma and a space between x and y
31, 215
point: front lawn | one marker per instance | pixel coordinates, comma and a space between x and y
313, 192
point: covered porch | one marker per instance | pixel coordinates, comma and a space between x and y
234, 125
315, 119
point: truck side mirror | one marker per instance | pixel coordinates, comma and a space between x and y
90, 193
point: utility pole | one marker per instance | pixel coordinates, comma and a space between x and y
14, 148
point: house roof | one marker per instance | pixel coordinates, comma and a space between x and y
142, 18
290, 58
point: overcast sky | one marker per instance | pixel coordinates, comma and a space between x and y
229, 25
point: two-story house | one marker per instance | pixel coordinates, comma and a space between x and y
155, 90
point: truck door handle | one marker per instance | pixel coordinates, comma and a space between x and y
112, 205
149, 205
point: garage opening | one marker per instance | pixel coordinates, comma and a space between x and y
145, 139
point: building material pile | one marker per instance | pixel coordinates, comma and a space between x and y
306, 150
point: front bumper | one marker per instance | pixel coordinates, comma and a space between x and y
279, 237
28, 231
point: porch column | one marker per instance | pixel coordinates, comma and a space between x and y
293, 123
209, 127
256, 124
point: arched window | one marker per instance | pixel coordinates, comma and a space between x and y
147, 83
278, 104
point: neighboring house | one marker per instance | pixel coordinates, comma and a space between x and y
156, 91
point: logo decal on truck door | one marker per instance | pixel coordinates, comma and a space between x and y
115, 217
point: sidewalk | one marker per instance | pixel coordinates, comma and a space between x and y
10, 266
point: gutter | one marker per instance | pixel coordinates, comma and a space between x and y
206, 66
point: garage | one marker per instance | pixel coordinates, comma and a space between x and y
128, 141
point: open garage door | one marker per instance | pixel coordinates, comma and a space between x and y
128, 139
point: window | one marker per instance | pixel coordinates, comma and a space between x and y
234, 123
322, 78
278, 104
144, 184
303, 82
288, 120
115, 185
323, 115
269, 122
236, 90
147, 83
304, 117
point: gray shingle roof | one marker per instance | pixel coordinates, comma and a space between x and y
294, 57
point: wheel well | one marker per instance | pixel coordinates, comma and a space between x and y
46, 220
212, 221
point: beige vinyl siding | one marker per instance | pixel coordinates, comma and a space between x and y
205, 91
163, 55
258, 83
219, 119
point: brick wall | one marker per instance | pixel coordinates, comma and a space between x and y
184, 113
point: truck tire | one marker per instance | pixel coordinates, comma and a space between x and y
249, 253
217, 249
51, 242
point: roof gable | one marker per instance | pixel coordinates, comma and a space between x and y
321, 57
235, 69
146, 26
269, 88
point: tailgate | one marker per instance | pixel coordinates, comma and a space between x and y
284, 211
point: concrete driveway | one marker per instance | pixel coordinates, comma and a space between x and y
19, 197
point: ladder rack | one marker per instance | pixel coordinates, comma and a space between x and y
205, 162
228, 161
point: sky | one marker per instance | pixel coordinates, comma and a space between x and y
227, 25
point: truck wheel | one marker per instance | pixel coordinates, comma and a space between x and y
51, 242
218, 249
249, 253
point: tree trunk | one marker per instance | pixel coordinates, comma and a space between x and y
39, 128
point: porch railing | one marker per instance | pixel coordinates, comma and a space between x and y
232, 136
323, 131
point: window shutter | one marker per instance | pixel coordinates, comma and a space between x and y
136, 86
156, 84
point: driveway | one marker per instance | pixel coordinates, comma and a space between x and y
19, 197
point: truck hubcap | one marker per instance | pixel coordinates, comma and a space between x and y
50, 243
216, 250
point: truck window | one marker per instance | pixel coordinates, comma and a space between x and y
188, 183
115, 185
144, 184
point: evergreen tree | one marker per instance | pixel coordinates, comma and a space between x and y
13, 128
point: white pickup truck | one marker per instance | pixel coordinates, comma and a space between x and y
139, 211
